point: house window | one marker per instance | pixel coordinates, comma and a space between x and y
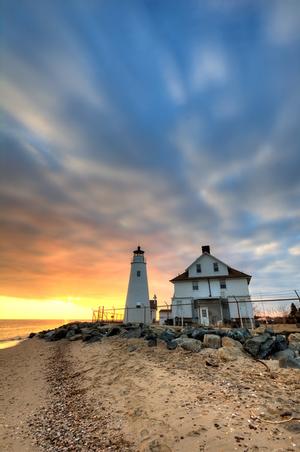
195, 286
216, 267
222, 284
198, 267
138, 273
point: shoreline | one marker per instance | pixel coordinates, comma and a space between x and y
121, 395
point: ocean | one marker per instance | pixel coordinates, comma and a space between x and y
13, 331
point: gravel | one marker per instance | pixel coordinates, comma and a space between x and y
69, 422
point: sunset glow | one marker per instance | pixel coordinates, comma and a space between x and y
166, 124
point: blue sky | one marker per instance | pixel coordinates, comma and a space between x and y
171, 124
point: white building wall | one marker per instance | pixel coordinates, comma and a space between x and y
163, 316
185, 289
182, 307
138, 293
237, 287
207, 267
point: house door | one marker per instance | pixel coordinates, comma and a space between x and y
204, 319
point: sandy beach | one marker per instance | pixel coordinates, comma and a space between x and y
120, 394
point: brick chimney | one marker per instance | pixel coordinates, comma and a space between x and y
206, 249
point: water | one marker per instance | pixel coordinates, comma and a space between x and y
13, 331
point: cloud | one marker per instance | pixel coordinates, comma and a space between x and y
209, 68
283, 19
295, 250
267, 248
175, 128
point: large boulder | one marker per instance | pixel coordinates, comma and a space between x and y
91, 335
292, 363
76, 337
211, 341
230, 343
93, 338
239, 334
167, 335
49, 335
230, 353
131, 332
179, 340
287, 353
192, 345
59, 333
152, 342
294, 342
280, 343
260, 346
199, 333
113, 331
70, 333
171, 345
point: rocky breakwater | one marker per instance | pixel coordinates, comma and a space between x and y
231, 344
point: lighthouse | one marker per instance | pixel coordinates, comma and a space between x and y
137, 308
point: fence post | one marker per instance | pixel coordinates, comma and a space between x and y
238, 308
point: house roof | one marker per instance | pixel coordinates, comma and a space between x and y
232, 273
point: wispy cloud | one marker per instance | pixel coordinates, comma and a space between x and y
171, 126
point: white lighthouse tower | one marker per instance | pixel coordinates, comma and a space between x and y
137, 308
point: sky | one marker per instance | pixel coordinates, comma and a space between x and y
166, 124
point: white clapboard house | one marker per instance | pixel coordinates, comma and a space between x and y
209, 292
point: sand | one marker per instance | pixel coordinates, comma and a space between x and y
122, 395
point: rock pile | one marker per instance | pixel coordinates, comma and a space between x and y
231, 344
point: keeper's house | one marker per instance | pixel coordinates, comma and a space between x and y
210, 292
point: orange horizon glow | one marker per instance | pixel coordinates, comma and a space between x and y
74, 293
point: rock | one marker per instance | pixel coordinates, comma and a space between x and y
70, 333
292, 363
131, 332
280, 343
49, 335
31, 335
260, 346
59, 333
239, 334
230, 353
211, 341
192, 345
152, 342
150, 336
179, 340
167, 335
76, 337
88, 334
287, 353
93, 338
228, 342
114, 331
269, 331
294, 341
171, 345
199, 333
